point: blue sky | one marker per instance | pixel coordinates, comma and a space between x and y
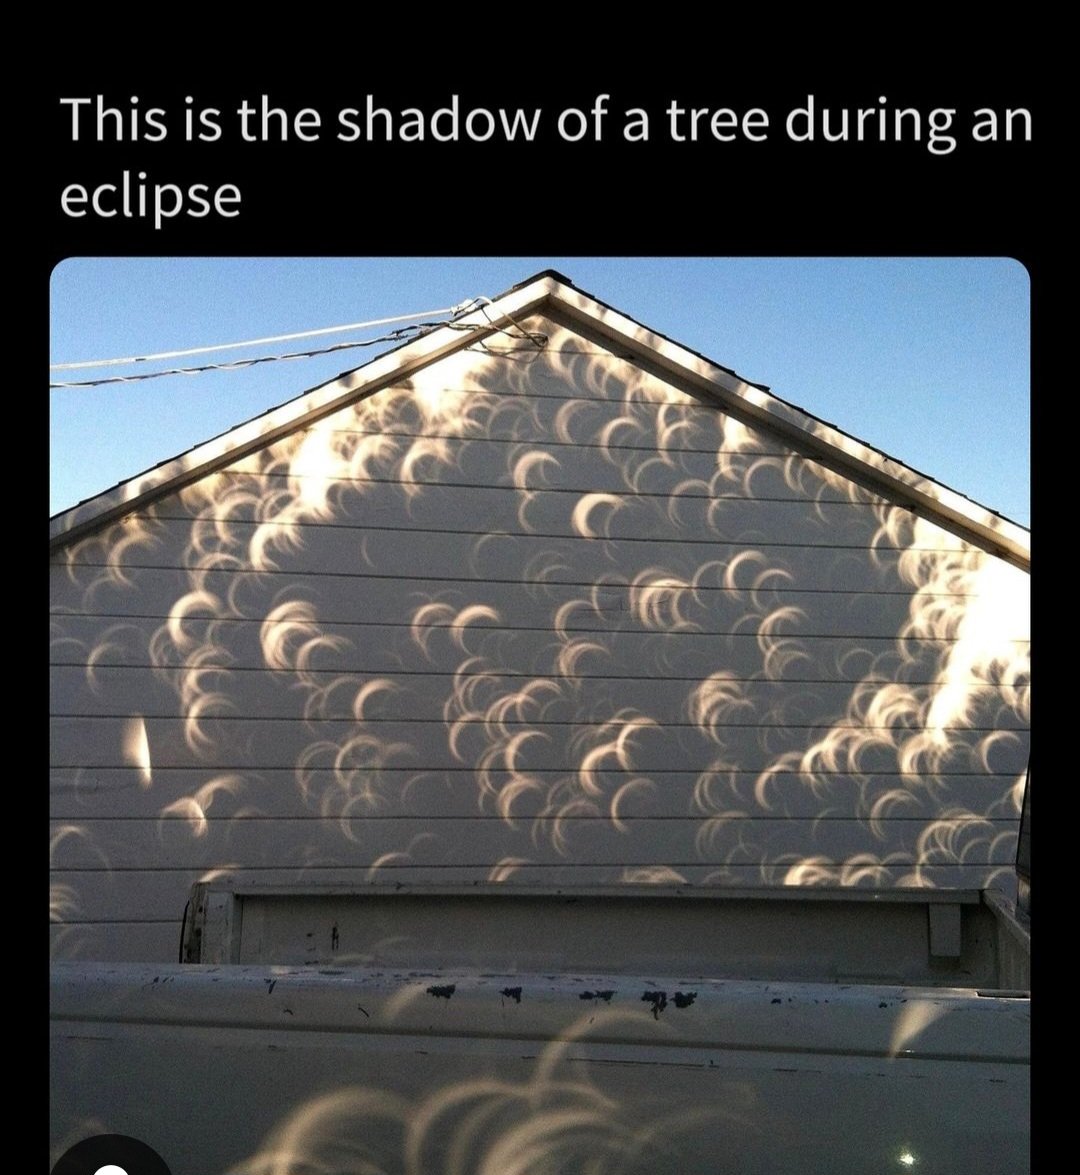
925, 358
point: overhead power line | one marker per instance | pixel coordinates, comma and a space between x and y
413, 330
236, 364
301, 334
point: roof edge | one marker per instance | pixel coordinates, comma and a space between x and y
844, 453
319, 401
723, 386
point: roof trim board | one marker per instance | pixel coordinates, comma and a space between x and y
554, 294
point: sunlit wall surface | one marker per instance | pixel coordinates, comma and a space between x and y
534, 616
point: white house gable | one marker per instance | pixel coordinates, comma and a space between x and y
538, 610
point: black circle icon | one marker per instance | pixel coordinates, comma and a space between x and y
111, 1154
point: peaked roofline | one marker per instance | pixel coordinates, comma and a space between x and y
550, 290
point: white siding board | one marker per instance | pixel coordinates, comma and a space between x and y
190, 794
558, 467
119, 941
361, 842
150, 894
422, 696
480, 553
464, 561
542, 513
651, 537
345, 610
799, 666
361, 651
99, 741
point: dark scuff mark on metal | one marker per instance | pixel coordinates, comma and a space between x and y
683, 999
512, 993
658, 999
598, 995
777, 1000
442, 991
334, 939
364, 1010
271, 983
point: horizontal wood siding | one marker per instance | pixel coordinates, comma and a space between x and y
633, 742
453, 841
80, 794
422, 695
536, 617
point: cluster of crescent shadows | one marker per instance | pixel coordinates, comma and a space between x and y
536, 612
